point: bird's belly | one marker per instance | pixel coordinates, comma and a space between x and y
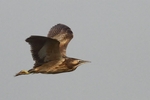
54, 67
56, 70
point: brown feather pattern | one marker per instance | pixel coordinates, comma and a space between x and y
43, 49
49, 53
63, 34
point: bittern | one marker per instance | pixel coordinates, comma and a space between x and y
49, 53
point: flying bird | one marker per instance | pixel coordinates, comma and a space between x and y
49, 53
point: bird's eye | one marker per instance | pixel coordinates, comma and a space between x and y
75, 61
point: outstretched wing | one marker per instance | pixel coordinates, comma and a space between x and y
43, 49
63, 34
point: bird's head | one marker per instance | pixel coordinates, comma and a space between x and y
22, 72
74, 63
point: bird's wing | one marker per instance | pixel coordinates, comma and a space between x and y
63, 34
43, 49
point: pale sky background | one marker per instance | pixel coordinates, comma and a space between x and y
113, 34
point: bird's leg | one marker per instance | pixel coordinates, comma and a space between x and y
22, 72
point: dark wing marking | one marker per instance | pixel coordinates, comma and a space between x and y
43, 49
63, 34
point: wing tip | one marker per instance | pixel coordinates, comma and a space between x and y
56, 29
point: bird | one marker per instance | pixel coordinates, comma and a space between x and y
49, 53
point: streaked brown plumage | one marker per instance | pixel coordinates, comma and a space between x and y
49, 53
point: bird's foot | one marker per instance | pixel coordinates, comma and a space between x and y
22, 72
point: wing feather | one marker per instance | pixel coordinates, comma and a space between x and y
63, 34
43, 49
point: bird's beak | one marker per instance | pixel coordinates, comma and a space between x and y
83, 61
